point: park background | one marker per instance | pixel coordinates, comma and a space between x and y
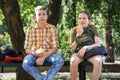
16, 17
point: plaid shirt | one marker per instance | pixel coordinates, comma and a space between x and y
41, 38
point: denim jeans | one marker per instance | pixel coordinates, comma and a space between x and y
30, 60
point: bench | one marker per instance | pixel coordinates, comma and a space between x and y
82, 72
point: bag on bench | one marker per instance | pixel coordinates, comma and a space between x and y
10, 55
2, 57
98, 50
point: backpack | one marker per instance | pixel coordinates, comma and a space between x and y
10, 55
2, 57
11, 52
86, 38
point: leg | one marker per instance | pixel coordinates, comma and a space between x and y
57, 63
74, 62
28, 66
97, 65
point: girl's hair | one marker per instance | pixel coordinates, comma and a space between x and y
87, 13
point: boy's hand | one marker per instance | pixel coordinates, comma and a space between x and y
40, 61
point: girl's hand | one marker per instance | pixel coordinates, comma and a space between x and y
79, 31
82, 51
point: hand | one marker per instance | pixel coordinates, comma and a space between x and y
79, 31
82, 51
39, 52
40, 61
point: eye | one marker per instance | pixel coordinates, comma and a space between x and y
79, 18
39, 14
44, 14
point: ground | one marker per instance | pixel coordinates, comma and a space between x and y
64, 76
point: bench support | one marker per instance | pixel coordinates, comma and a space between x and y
82, 69
82, 73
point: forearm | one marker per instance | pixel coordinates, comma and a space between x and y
74, 45
97, 43
51, 51
30, 51
93, 45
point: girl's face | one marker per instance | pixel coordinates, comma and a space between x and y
41, 16
83, 20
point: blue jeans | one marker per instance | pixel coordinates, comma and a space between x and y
30, 60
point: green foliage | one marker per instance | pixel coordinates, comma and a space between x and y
3, 27
64, 39
5, 41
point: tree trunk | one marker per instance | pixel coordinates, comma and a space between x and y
53, 11
21, 74
108, 30
11, 12
74, 12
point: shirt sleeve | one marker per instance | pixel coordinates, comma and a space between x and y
94, 30
28, 39
55, 42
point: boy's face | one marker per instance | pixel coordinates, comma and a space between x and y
41, 16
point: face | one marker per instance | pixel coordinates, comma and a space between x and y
83, 20
41, 16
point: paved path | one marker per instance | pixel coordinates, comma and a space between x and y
11, 76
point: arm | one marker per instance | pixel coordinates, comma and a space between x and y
83, 49
54, 42
76, 32
97, 43
29, 42
74, 45
96, 40
50, 52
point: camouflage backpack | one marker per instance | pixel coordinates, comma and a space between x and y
86, 38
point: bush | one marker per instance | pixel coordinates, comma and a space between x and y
5, 41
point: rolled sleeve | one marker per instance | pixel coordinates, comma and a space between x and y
54, 42
28, 40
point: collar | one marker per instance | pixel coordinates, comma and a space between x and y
38, 27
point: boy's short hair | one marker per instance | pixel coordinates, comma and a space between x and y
40, 8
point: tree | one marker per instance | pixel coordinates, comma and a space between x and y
53, 11
11, 12
108, 30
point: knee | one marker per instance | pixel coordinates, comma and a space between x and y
98, 61
60, 62
28, 61
74, 62
98, 64
57, 59
25, 64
